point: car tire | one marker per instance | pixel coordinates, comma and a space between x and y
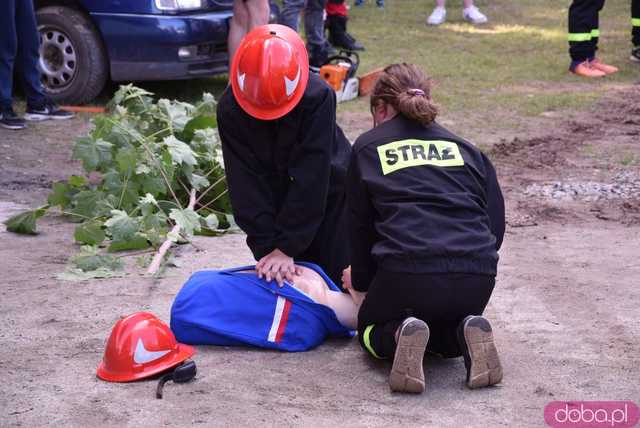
73, 60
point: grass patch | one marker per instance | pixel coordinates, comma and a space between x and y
517, 62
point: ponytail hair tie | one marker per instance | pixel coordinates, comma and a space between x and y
416, 92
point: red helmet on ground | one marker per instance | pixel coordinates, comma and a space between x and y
270, 71
140, 346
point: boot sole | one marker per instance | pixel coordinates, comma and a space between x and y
480, 353
407, 374
42, 117
12, 127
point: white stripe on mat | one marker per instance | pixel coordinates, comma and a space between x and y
277, 317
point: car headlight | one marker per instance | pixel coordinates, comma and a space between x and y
179, 4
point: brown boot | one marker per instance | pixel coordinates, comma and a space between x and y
584, 69
475, 338
407, 374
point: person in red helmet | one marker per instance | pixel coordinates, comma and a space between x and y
285, 156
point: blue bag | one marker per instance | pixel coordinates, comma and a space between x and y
232, 308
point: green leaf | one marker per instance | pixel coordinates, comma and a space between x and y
197, 123
61, 194
137, 242
178, 113
143, 168
154, 221
93, 154
154, 185
106, 205
148, 204
85, 204
156, 236
205, 137
121, 188
89, 259
173, 237
77, 275
90, 233
167, 165
77, 181
212, 221
180, 152
148, 199
198, 182
121, 226
127, 159
188, 220
25, 223
207, 105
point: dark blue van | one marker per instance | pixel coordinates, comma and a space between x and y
86, 42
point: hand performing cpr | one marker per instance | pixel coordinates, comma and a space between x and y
277, 265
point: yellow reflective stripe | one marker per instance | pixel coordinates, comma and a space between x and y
635, 22
367, 342
579, 37
595, 33
408, 153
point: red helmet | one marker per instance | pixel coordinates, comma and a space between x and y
140, 346
270, 71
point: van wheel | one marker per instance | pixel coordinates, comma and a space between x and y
73, 62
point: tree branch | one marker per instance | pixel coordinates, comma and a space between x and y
157, 259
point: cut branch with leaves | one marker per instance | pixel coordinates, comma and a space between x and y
143, 153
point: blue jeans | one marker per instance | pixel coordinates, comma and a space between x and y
313, 18
19, 45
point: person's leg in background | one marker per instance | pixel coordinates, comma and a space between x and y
290, 13
635, 30
259, 12
472, 14
379, 3
317, 45
237, 26
582, 18
439, 14
8, 51
247, 14
469, 13
337, 18
595, 37
38, 107
29, 54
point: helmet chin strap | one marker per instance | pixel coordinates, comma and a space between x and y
180, 374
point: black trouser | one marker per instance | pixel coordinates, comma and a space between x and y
584, 28
330, 247
19, 44
635, 22
440, 300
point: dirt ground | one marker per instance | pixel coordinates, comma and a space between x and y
565, 309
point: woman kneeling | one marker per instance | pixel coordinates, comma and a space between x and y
426, 221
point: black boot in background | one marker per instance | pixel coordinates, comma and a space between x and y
318, 56
338, 36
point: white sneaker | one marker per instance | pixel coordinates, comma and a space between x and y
438, 16
473, 15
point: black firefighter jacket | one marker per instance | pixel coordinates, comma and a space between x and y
421, 200
287, 178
